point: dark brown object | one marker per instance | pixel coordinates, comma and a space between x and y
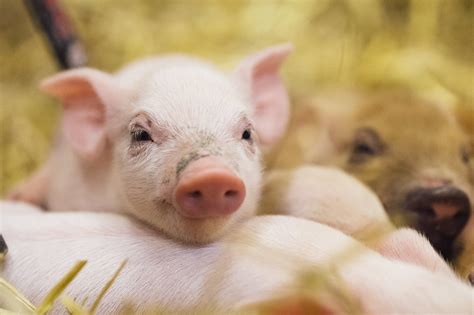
54, 23
3, 247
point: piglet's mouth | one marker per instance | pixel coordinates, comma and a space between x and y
164, 204
202, 218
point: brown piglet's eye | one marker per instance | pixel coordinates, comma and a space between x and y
363, 148
366, 144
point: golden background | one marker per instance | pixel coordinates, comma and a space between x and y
423, 44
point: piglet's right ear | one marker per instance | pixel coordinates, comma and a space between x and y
259, 74
86, 95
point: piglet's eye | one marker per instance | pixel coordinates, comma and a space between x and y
141, 136
247, 135
363, 148
366, 144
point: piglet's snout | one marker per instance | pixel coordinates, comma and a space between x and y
208, 188
446, 204
442, 212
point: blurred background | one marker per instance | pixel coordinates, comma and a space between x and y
425, 45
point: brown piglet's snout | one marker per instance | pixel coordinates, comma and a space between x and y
208, 188
442, 212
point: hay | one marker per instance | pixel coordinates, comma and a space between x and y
425, 45
12, 301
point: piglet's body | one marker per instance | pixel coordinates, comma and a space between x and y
257, 261
172, 140
326, 195
332, 197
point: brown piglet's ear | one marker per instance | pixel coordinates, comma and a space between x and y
86, 95
269, 96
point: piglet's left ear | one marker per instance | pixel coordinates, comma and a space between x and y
259, 75
88, 97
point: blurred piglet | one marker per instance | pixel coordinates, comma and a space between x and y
413, 153
262, 259
332, 197
171, 139
326, 195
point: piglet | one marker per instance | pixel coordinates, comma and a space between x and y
413, 153
172, 140
333, 197
263, 258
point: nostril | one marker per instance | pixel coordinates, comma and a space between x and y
195, 194
446, 210
427, 211
231, 193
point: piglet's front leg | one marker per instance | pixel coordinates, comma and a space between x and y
34, 189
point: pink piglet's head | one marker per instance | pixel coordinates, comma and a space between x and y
182, 139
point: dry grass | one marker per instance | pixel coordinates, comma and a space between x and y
425, 44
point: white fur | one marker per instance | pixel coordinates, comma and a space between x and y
260, 259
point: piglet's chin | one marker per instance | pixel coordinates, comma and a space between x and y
196, 217
164, 217
200, 231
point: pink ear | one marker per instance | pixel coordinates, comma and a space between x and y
259, 73
86, 95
